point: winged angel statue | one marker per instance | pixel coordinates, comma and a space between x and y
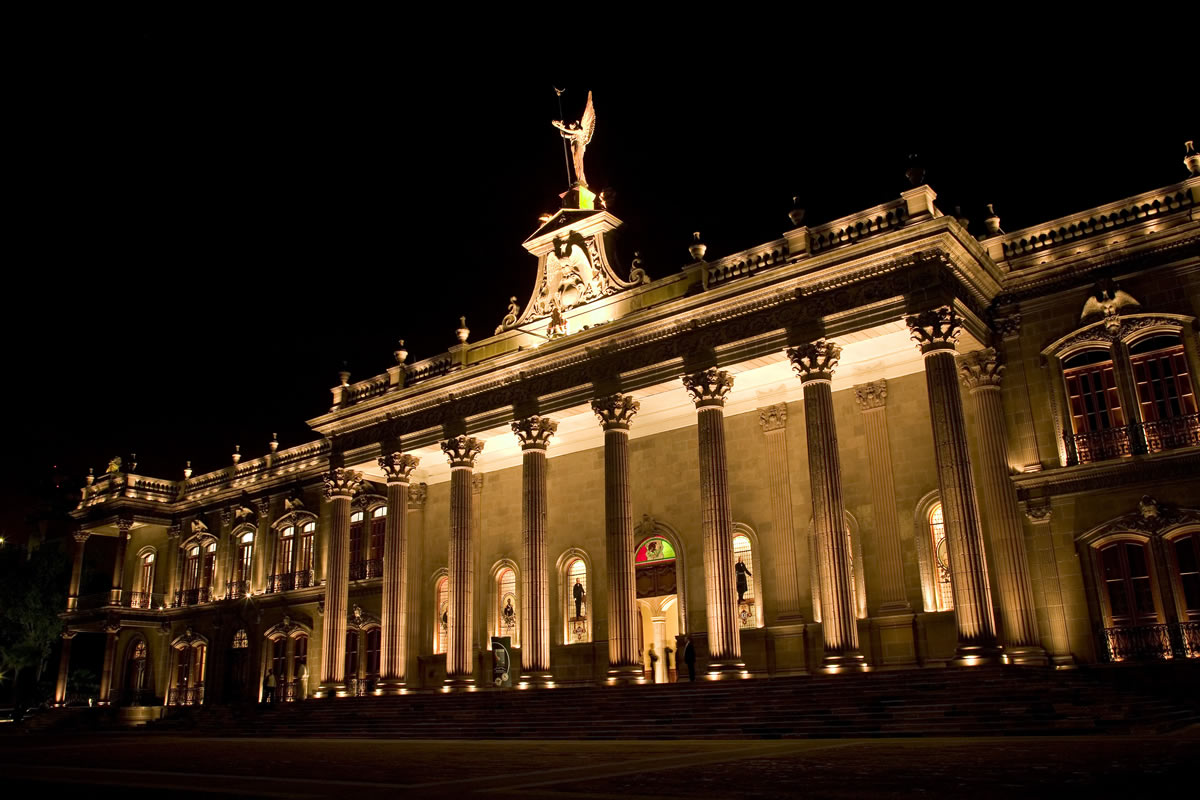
579, 134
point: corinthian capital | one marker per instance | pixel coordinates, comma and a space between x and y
871, 395
936, 329
815, 361
398, 466
981, 369
341, 482
616, 411
534, 432
773, 418
709, 387
462, 450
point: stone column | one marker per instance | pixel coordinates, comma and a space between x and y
170, 583
81, 538
814, 363
782, 552
937, 332
340, 487
398, 468
659, 625
264, 548
894, 624
981, 373
112, 630
64, 668
708, 389
615, 413
118, 578
534, 435
461, 451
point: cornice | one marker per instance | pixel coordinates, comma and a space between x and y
1140, 470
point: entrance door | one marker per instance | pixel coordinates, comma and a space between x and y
658, 607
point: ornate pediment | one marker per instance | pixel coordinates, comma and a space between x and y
575, 267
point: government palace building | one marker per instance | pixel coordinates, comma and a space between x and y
877, 442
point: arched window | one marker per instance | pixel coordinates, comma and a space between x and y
190, 661
143, 597
748, 607
508, 606
1185, 555
1165, 395
283, 578
578, 629
374, 565
441, 602
358, 569
1128, 583
304, 558
944, 594
279, 659
208, 572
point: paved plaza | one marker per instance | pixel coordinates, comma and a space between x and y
118, 764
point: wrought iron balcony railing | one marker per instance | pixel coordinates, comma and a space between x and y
363, 570
147, 600
1146, 437
1150, 642
286, 581
191, 597
192, 696
237, 589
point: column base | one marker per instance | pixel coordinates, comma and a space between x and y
459, 683
894, 640
330, 689
536, 680
726, 671
391, 686
976, 655
628, 675
1027, 655
853, 661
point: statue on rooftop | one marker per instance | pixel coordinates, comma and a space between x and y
579, 134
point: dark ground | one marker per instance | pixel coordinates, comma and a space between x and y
117, 765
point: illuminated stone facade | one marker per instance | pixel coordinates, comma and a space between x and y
925, 448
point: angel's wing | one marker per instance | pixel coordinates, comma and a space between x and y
588, 123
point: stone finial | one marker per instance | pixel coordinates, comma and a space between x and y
698, 248
344, 375
133, 462
274, 443
534, 432
991, 224
773, 418
916, 171
187, 470
400, 353
341, 482
237, 453
871, 395
709, 387
1191, 159
462, 332
962, 219
796, 215
815, 361
418, 493
91, 477
616, 411
462, 451
981, 369
398, 467
936, 329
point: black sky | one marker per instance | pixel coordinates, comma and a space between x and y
208, 223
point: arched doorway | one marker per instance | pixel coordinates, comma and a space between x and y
659, 573
139, 685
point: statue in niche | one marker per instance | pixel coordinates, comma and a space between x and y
579, 135
579, 594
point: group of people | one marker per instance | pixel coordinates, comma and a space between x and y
684, 657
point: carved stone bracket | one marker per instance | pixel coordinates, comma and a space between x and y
264, 506
815, 361
936, 329
615, 411
871, 395
462, 451
1008, 325
709, 387
773, 418
398, 467
124, 524
981, 369
534, 432
341, 482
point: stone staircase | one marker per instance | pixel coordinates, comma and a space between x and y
980, 701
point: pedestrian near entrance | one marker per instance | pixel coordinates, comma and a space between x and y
653, 664
667, 653
269, 684
689, 658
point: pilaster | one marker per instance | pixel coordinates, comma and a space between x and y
773, 420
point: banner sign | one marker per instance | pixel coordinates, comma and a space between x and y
502, 665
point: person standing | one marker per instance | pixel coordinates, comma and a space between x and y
653, 664
689, 658
671, 672
742, 585
269, 684
579, 594
302, 679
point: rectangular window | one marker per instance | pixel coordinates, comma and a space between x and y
305, 562
1163, 385
1187, 559
1094, 399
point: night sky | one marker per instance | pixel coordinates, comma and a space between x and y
214, 222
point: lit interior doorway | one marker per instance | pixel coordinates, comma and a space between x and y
658, 602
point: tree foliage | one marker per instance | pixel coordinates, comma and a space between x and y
33, 591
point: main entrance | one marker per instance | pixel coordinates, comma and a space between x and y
658, 593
